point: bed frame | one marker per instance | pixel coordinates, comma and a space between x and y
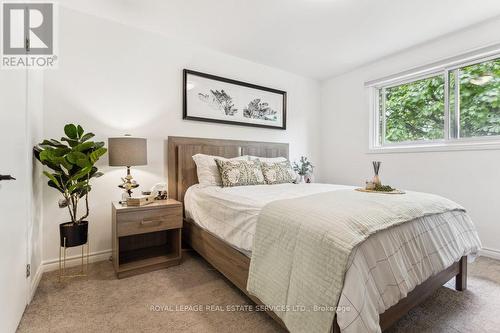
233, 264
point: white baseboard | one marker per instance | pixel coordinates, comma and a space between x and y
35, 281
490, 253
53, 264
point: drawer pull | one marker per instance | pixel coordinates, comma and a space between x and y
147, 222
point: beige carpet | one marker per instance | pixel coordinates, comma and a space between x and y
102, 303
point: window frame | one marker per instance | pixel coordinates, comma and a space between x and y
451, 139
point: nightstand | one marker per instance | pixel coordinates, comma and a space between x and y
146, 238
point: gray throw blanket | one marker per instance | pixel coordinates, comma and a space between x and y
302, 247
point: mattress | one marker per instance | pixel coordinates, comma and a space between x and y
382, 270
231, 213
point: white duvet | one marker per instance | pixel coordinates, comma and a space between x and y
383, 269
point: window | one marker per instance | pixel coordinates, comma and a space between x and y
444, 106
478, 91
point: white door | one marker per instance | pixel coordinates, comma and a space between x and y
14, 195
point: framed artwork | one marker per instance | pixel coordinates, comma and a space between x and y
216, 99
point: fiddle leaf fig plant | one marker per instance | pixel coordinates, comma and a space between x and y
71, 161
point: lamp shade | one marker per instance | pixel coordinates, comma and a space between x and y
127, 151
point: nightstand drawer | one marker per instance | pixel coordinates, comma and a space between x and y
139, 222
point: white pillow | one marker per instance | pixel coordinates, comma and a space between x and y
268, 159
207, 170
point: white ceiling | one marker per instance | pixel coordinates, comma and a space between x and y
315, 38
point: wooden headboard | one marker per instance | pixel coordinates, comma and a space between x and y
182, 169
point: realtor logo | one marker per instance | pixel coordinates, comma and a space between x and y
28, 35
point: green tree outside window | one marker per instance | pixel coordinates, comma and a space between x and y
415, 111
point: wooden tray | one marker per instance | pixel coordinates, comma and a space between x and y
382, 192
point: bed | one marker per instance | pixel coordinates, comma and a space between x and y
228, 246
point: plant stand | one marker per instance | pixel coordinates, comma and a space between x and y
84, 268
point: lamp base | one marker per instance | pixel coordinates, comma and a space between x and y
128, 184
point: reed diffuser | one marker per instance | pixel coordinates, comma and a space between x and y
376, 168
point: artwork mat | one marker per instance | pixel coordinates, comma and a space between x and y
241, 94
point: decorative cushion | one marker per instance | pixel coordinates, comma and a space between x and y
278, 173
268, 159
207, 170
240, 173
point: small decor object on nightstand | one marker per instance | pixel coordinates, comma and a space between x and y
140, 201
160, 191
127, 151
72, 162
304, 169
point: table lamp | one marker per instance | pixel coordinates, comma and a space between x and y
127, 151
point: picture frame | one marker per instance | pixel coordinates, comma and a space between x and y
217, 99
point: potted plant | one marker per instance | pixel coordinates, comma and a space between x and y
72, 165
303, 168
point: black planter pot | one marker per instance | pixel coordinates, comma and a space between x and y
75, 234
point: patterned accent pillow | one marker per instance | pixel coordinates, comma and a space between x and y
207, 170
240, 173
278, 173
267, 159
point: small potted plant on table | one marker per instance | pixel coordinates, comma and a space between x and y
72, 165
303, 168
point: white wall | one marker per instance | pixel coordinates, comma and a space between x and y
471, 178
113, 79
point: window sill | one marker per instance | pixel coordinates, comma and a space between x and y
436, 147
